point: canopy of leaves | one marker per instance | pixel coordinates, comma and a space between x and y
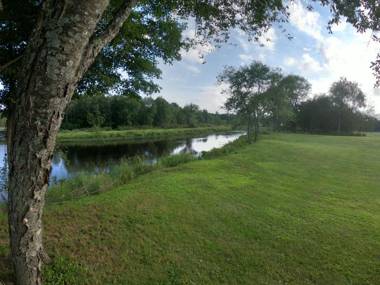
153, 33
132, 111
247, 85
348, 94
263, 91
129, 64
321, 115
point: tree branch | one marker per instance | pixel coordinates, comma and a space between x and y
98, 42
9, 63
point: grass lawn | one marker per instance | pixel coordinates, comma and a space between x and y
101, 136
291, 209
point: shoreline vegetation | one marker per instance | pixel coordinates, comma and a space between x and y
284, 208
86, 184
105, 135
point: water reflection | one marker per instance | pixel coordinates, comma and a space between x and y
69, 160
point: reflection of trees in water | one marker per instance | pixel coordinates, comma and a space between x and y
188, 148
100, 157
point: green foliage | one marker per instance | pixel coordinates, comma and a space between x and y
282, 100
263, 96
260, 94
62, 271
152, 33
132, 111
339, 112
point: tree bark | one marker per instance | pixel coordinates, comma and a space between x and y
249, 128
339, 123
256, 125
61, 49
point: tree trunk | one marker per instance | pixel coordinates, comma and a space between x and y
256, 125
249, 128
60, 51
339, 123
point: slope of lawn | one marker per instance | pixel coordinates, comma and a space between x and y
291, 209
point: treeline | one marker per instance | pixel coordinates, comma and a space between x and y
322, 115
341, 110
134, 111
263, 96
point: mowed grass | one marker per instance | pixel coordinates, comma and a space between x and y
291, 209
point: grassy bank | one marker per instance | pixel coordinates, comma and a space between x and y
102, 136
291, 209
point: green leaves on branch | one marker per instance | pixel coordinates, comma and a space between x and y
261, 94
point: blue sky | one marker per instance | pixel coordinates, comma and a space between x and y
320, 57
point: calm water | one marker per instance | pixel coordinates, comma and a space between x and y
70, 160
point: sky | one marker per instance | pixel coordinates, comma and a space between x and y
314, 53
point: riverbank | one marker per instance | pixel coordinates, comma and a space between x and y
295, 209
104, 136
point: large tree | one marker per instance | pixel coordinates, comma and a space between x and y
247, 91
53, 52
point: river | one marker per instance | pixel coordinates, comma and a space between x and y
70, 160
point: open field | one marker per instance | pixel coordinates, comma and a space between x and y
101, 136
291, 209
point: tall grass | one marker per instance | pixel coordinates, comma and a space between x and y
86, 184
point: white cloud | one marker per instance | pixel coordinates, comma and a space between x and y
192, 68
309, 65
340, 27
256, 50
350, 58
345, 53
212, 98
246, 58
305, 20
198, 53
290, 61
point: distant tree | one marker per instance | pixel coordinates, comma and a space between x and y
125, 110
247, 87
164, 114
134, 111
190, 115
284, 97
346, 95
320, 114
317, 115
